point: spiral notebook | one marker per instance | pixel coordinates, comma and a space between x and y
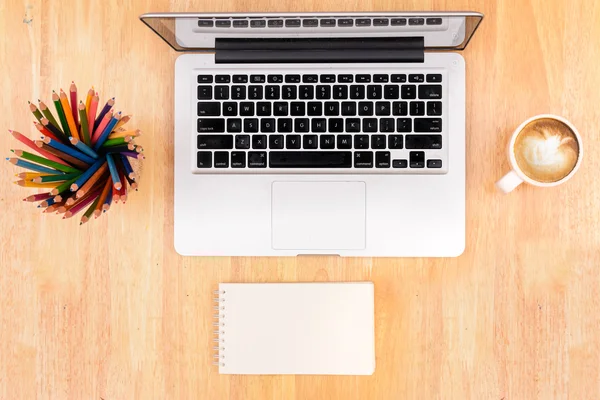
295, 328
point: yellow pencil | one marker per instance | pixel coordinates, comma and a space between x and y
116, 135
31, 175
88, 100
64, 101
31, 184
122, 121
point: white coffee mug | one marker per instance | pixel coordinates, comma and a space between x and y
516, 176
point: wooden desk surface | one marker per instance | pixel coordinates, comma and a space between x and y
110, 311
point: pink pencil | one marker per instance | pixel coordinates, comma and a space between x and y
98, 131
29, 143
92, 113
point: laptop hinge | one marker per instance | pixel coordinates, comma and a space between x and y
319, 50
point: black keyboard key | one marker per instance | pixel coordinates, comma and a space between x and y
221, 92
306, 92
416, 78
205, 92
340, 92
363, 22
369, 125
275, 78
258, 79
215, 125
398, 21
210, 142
434, 108
401, 78
314, 108
417, 108
424, 142
383, 108
209, 109
258, 23
361, 141
434, 21
416, 21
310, 23
263, 109
348, 108
363, 159
292, 23
381, 22
378, 142
327, 142
267, 125
221, 159
297, 108
234, 125
374, 92
238, 92
259, 141
289, 92
387, 125
434, 78
230, 108
310, 159
251, 125
345, 22
275, 23
205, 78
328, 22
382, 159
292, 79
301, 125
327, 78
276, 142
222, 79
284, 125
240, 23
272, 92
430, 91
400, 163
395, 142
257, 159
223, 23
365, 108
204, 159
391, 92
409, 92
205, 23
238, 159
352, 125
434, 163
357, 92
319, 125
363, 78
242, 142
346, 78
400, 108
417, 159
255, 92
332, 108
292, 142
403, 125
344, 142
336, 125
428, 125
323, 92
382, 78
309, 142
246, 108
310, 78
280, 109
240, 79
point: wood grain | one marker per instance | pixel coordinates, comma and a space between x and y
110, 311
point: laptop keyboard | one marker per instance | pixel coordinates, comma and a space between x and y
386, 122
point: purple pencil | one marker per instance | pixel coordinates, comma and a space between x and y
106, 109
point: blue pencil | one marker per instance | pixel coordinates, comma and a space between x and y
86, 175
102, 138
34, 167
69, 150
127, 167
107, 202
83, 147
114, 174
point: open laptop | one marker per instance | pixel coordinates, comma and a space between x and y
319, 133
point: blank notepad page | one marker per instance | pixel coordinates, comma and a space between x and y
297, 328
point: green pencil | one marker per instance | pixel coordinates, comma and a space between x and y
44, 161
85, 132
48, 114
36, 113
61, 114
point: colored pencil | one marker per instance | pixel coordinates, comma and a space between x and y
54, 207
50, 201
86, 175
32, 175
123, 190
54, 130
61, 114
72, 161
64, 101
81, 205
34, 110
74, 111
43, 161
120, 134
31, 184
88, 213
44, 131
133, 154
38, 197
55, 178
69, 150
102, 197
109, 127
63, 187
104, 111
32, 166
100, 128
88, 100
96, 177
29, 143
117, 141
129, 147
107, 201
48, 114
115, 195
92, 114
122, 122
113, 172
85, 133
83, 147
127, 166
132, 184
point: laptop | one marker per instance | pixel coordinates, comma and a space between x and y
319, 133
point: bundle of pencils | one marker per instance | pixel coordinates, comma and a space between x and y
84, 158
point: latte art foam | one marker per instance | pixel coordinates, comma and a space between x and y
546, 150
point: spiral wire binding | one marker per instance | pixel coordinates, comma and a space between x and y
219, 332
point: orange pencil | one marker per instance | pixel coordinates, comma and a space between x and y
23, 139
122, 122
88, 100
98, 131
64, 101
107, 187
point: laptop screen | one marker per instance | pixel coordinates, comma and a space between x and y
199, 32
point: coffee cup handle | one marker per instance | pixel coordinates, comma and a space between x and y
509, 182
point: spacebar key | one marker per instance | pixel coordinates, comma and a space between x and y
310, 159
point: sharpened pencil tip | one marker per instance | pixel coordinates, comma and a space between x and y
28, 102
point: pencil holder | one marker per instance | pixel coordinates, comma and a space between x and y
85, 159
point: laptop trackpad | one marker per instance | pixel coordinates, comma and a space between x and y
318, 215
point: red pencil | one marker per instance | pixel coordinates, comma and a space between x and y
74, 110
23, 139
